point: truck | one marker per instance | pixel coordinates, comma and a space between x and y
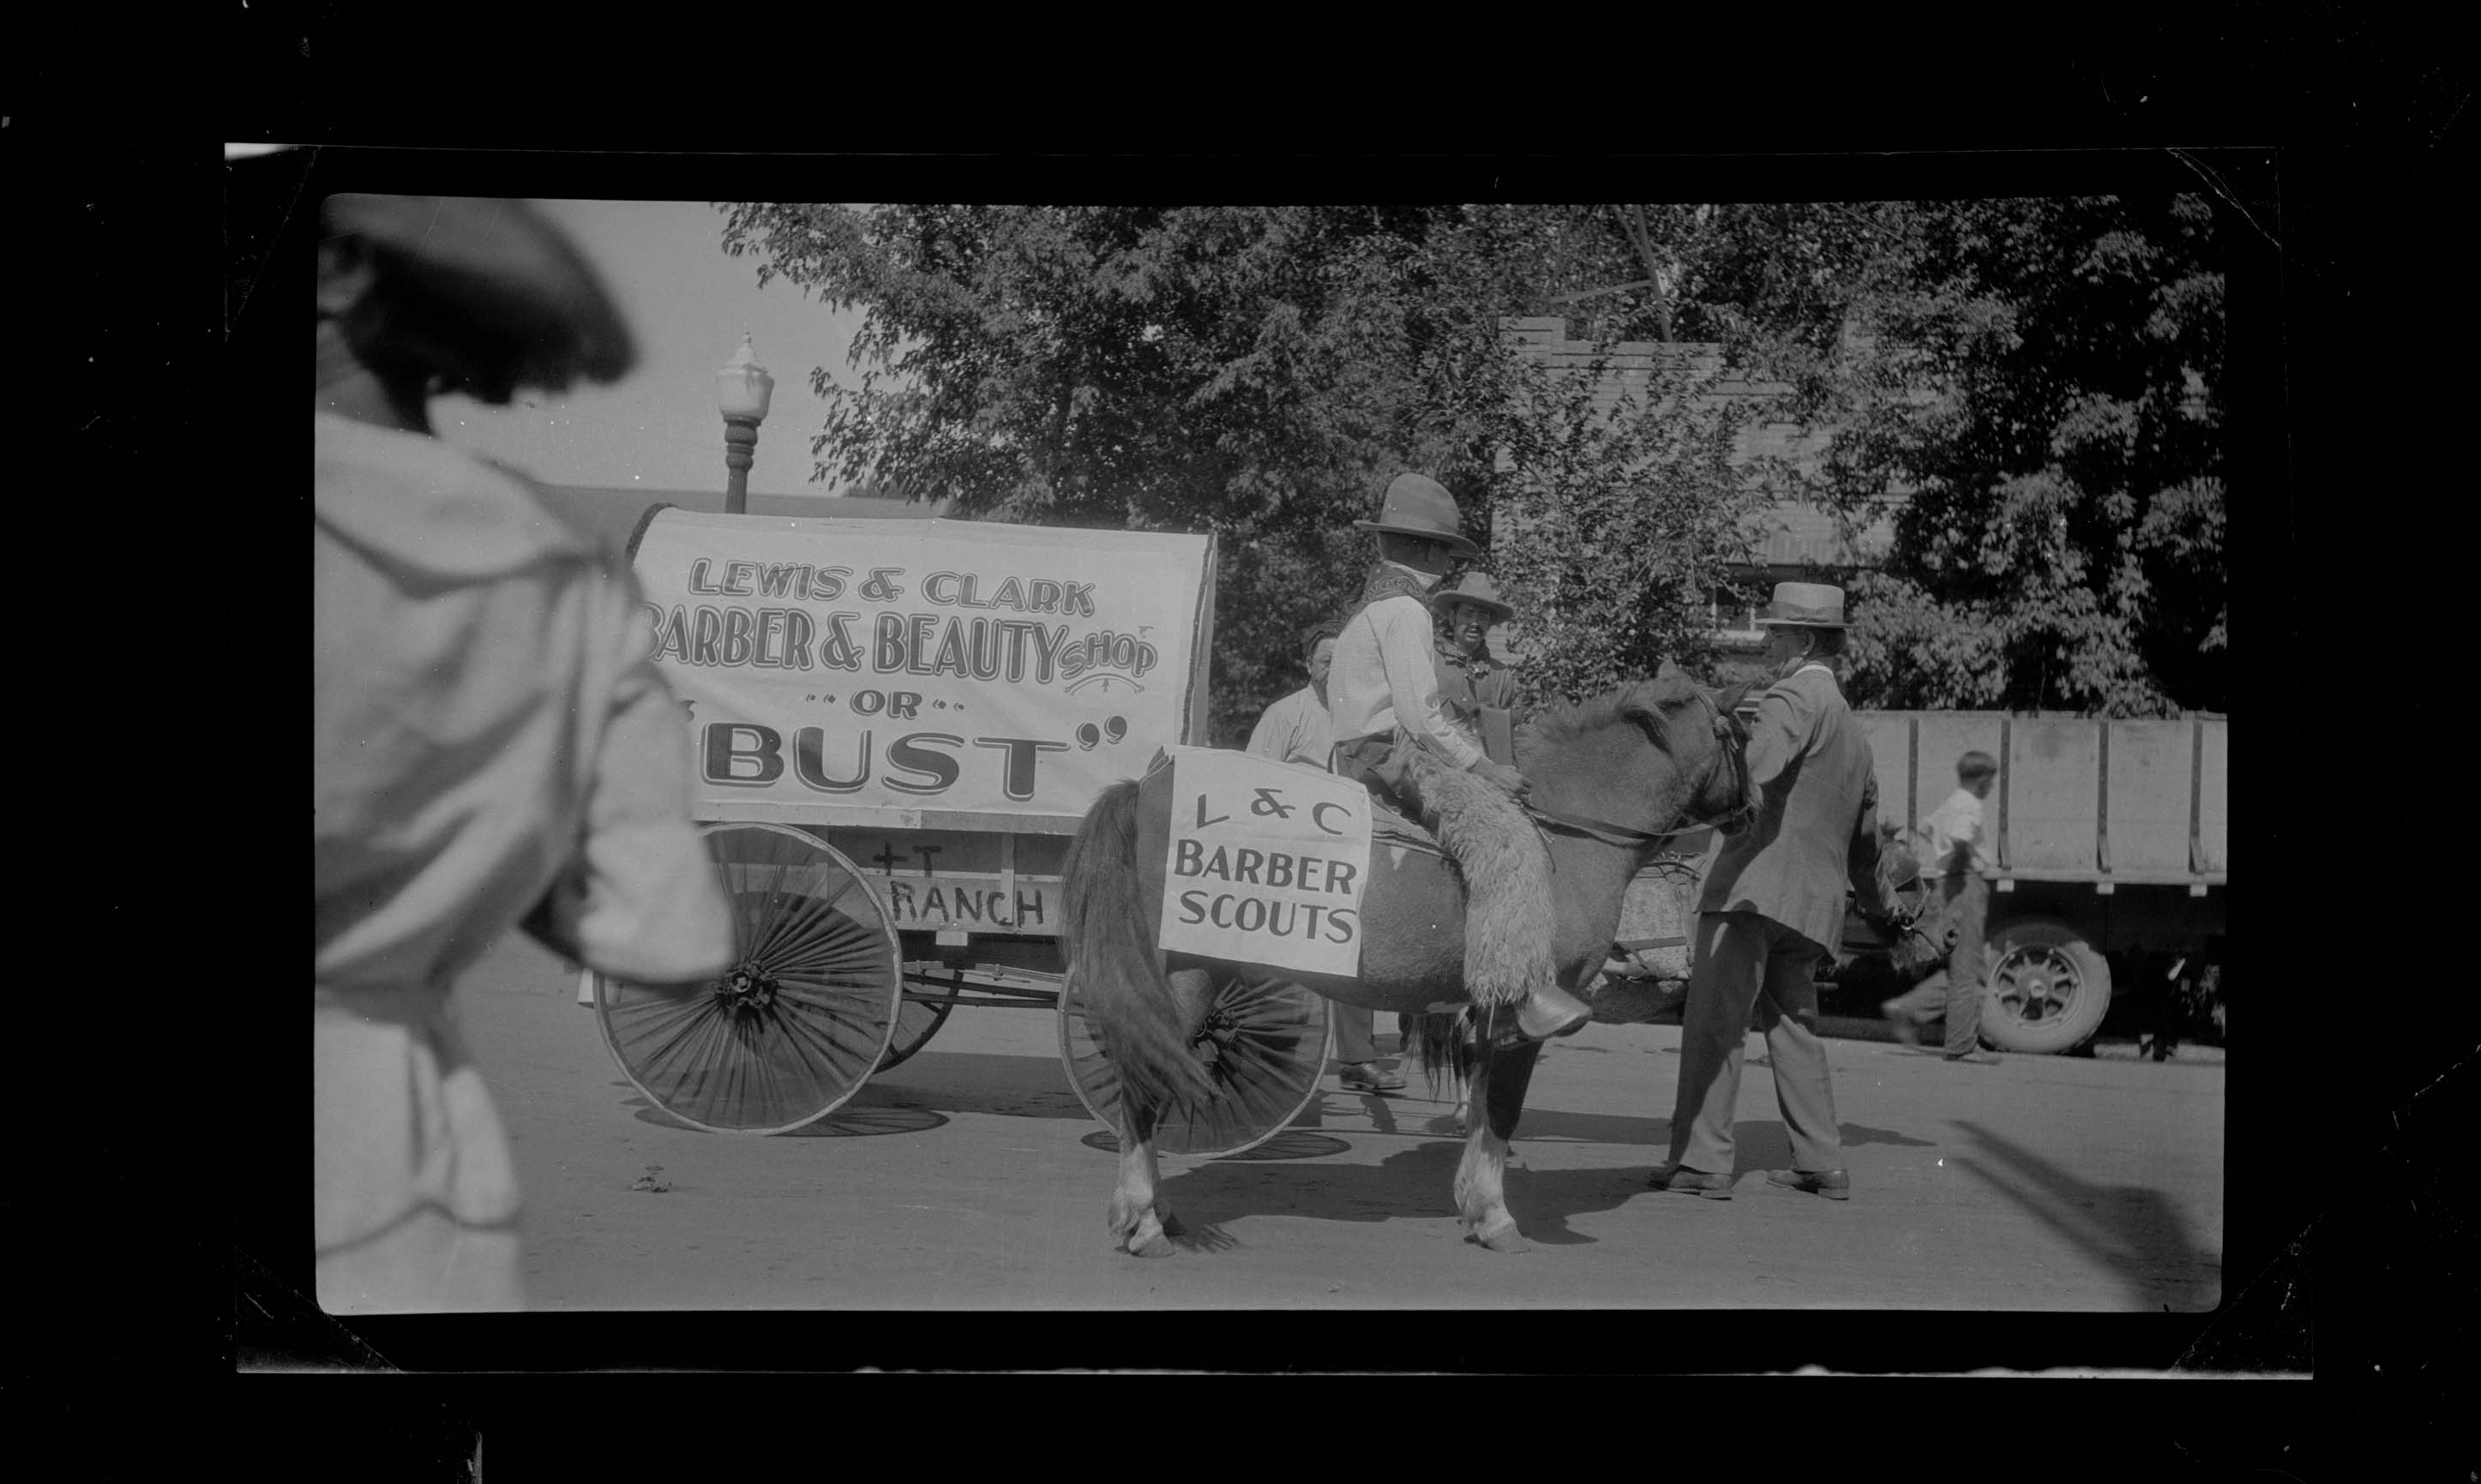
2110, 844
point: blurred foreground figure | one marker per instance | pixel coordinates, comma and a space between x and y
492, 745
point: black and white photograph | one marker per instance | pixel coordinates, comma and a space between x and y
1646, 755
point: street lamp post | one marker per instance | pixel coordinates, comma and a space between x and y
743, 389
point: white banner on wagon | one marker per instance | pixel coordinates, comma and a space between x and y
920, 672
1266, 863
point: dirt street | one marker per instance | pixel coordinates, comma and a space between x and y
971, 1177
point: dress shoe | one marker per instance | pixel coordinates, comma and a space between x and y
1688, 1182
1834, 1185
1976, 1058
1551, 1012
1365, 1077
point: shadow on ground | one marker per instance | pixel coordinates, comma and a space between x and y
924, 1092
1290, 1144
1420, 1180
856, 1119
2138, 1234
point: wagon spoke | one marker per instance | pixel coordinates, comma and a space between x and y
1263, 1044
799, 1021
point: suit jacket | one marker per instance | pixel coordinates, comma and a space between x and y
1479, 695
1817, 818
1467, 685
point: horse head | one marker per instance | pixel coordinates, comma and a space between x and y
1685, 768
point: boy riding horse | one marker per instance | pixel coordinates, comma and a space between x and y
1394, 737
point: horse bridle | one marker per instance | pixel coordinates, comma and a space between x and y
1906, 923
1627, 835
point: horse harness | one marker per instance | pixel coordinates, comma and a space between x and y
1620, 834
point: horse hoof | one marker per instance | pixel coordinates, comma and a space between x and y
1156, 1246
1501, 1237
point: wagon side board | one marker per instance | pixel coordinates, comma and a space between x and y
2119, 828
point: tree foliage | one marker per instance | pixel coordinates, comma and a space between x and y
2040, 381
1260, 373
1615, 521
2027, 388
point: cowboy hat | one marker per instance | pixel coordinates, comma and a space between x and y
1418, 505
1804, 606
1476, 589
488, 292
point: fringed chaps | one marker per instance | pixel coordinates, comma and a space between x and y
1509, 916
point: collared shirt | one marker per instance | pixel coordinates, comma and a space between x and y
1295, 730
1384, 678
1955, 836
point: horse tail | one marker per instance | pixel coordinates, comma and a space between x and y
1446, 1045
1113, 965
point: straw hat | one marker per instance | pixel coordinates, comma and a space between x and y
487, 293
1418, 505
1476, 589
1804, 606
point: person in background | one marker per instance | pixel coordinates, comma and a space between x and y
1772, 907
1958, 862
1475, 690
1394, 739
490, 745
1295, 730
1478, 694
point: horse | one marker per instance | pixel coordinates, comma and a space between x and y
1610, 780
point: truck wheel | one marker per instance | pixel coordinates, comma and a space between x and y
2044, 987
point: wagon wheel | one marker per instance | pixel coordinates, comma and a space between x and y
2045, 989
800, 1019
1264, 1043
916, 1023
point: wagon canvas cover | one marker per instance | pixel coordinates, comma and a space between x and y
920, 672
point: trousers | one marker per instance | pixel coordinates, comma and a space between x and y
428, 1263
1746, 964
1353, 1028
1954, 990
415, 1196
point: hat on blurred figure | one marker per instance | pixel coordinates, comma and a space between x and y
1418, 505
1804, 606
470, 294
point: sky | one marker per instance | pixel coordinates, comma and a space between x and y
688, 305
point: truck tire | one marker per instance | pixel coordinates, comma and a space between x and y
2044, 987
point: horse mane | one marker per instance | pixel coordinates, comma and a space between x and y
1646, 701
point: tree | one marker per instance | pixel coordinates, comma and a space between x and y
1619, 511
1260, 373
2039, 377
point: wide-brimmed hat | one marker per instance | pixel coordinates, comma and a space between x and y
1476, 589
487, 288
1418, 505
1804, 606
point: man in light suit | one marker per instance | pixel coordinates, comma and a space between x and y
1774, 907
